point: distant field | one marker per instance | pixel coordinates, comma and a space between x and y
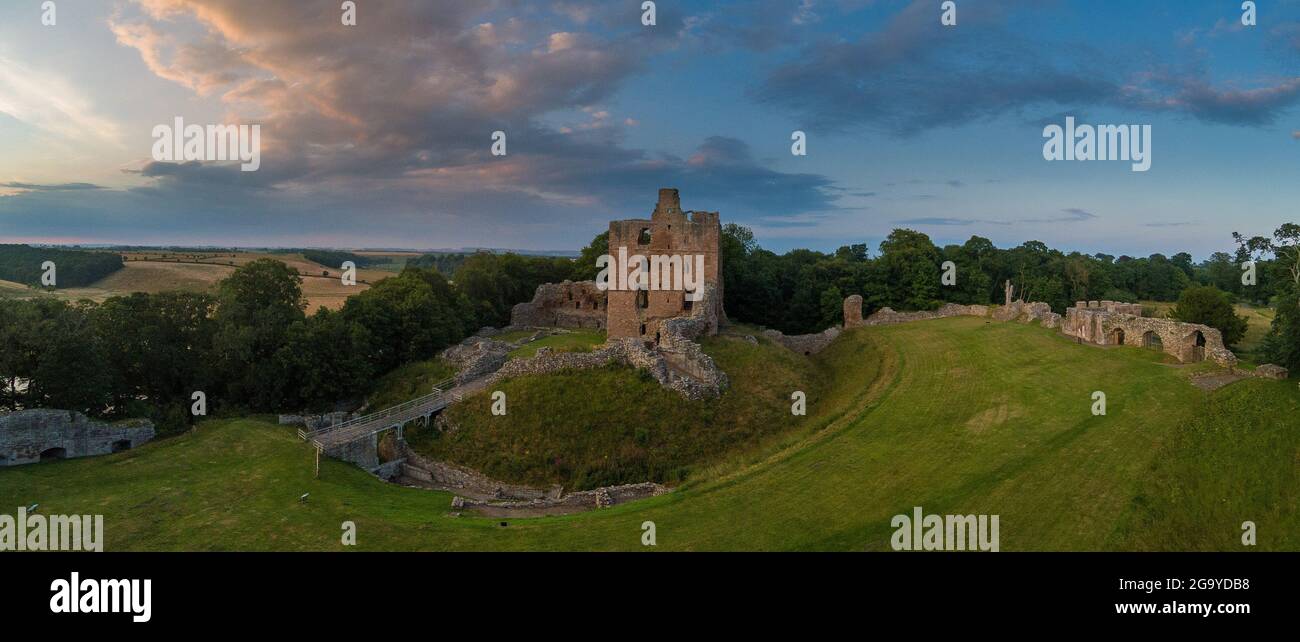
958, 416
200, 271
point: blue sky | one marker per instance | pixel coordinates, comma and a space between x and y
378, 135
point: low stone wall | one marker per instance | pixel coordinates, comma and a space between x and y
1099, 322
315, 422
702, 380
466, 482
805, 344
1269, 371
603, 497
887, 316
28, 435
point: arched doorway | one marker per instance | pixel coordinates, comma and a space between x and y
1152, 340
121, 445
1116, 336
1198, 346
50, 454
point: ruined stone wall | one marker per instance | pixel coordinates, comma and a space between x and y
563, 305
26, 434
465, 481
671, 233
1028, 312
477, 357
887, 316
703, 379
603, 497
805, 344
1104, 325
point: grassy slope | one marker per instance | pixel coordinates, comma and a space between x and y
408, 382
966, 416
591, 428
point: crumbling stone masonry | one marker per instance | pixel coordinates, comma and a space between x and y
668, 232
563, 305
805, 344
677, 362
39, 434
1110, 323
1099, 322
853, 311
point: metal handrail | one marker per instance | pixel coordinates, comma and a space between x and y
386, 412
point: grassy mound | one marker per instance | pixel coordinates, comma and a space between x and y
590, 428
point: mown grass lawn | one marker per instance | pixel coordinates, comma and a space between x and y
954, 415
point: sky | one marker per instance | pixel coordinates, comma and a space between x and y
380, 134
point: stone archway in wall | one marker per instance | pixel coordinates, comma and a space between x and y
1116, 336
1151, 339
50, 454
1196, 346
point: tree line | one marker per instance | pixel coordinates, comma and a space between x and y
73, 268
802, 291
251, 346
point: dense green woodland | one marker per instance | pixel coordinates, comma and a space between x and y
254, 347
73, 268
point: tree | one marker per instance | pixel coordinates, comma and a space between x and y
584, 269
912, 270
1282, 344
256, 305
1210, 306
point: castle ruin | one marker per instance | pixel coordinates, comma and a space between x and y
667, 233
671, 237
1110, 323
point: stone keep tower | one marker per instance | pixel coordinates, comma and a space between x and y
668, 232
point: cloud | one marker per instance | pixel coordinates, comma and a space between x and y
46, 102
1072, 215
912, 75
60, 187
396, 116
939, 220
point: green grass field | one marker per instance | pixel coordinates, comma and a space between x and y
571, 341
955, 415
